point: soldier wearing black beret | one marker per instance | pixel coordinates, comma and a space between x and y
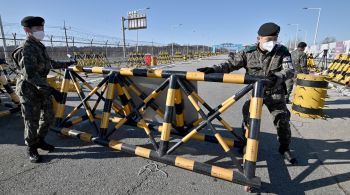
272, 60
32, 86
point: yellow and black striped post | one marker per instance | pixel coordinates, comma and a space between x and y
108, 105
124, 100
179, 109
255, 109
168, 116
61, 104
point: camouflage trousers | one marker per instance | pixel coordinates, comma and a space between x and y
38, 117
276, 105
36, 111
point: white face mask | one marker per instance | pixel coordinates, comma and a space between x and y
39, 35
269, 45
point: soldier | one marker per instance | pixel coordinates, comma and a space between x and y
266, 58
299, 59
32, 86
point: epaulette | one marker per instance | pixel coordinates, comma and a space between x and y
250, 48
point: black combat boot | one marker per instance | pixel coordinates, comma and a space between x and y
285, 152
33, 154
45, 146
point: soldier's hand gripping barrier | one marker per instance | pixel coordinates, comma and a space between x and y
114, 90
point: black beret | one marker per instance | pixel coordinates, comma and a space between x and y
269, 29
302, 45
30, 21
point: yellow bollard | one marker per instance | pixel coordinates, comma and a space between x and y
309, 96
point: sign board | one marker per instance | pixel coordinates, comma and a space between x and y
136, 20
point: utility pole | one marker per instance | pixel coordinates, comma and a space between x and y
14, 38
106, 47
123, 29
73, 44
172, 49
51, 45
152, 48
65, 34
3, 39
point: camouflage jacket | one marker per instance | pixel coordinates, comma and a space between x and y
256, 62
35, 65
299, 59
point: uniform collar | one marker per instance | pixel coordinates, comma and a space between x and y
35, 41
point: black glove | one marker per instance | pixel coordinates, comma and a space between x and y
206, 70
48, 90
275, 81
73, 62
56, 94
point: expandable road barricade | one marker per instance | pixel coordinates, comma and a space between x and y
122, 109
339, 70
91, 59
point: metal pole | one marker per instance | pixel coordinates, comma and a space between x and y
51, 45
65, 34
91, 44
106, 47
137, 40
296, 37
152, 48
172, 49
318, 21
3, 40
123, 30
14, 38
73, 44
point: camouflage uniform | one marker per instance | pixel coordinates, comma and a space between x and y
256, 62
33, 89
299, 59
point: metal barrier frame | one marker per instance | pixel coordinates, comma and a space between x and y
117, 83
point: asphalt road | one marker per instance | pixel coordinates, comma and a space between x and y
322, 147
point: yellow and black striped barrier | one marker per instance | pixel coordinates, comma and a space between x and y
309, 96
117, 87
8, 89
178, 161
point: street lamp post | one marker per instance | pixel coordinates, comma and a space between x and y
318, 20
296, 35
172, 44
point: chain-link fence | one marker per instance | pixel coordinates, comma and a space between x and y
61, 41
